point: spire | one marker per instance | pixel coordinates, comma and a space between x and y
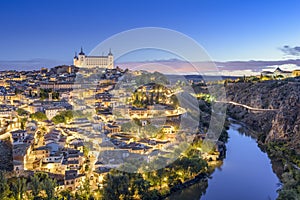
110, 54
75, 55
81, 52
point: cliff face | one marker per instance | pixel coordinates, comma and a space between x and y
280, 124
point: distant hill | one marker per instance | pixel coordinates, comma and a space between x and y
27, 65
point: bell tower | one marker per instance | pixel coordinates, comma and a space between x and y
110, 58
81, 58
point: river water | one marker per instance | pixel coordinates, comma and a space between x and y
246, 174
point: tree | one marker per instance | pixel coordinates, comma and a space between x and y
39, 116
35, 185
85, 189
65, 195
288, 195
58, 119
49, 187
21, 112
44, 93
23, 123
18, 188
4, 187
63, 117
138, 185
117, 186
175, 101
55, 95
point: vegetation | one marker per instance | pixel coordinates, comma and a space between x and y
206, 97
22, 117
117, 185
158, 183
44, 94
120, 185
63, 117
67, 116
22, 112
290, 178
37, 187
23, 122
39, 116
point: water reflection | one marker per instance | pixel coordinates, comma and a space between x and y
246, 173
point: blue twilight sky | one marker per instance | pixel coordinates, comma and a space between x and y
227, 29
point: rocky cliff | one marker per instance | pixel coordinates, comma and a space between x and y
281, 119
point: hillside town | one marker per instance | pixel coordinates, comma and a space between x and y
59, 123
77, 123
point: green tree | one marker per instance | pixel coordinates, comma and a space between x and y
175, 101
66, 195
35, 185
39, 116
44, 93
117, 186
55, 95
85, 189
49, 187
4, 187
21, 112
18, 188
63, 117
139, 186
23, 123
58, 119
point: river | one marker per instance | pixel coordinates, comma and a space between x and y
246, 174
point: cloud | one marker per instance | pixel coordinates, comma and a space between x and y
292, 51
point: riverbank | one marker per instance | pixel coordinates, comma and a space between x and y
278, 132
285, 162
238, 177
201, 180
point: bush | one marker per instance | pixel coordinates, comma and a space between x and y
39, 116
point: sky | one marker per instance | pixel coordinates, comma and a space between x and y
229, 30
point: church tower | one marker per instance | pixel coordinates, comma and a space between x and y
81, 58
110, 60
75, 59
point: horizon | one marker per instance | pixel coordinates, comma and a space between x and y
227, 68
